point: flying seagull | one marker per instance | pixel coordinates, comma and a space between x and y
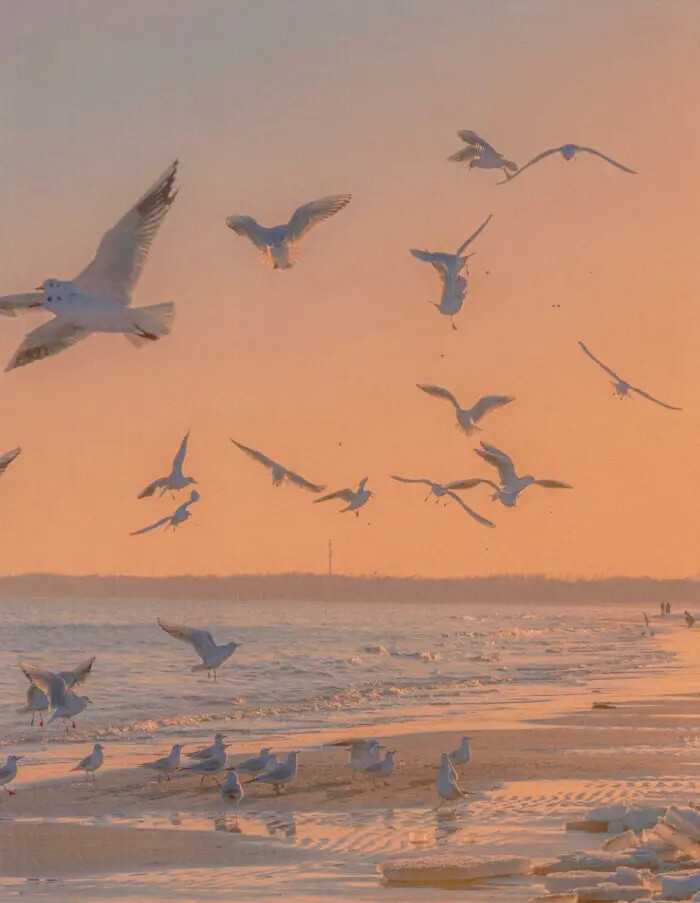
38, 701
179, 516
202, 641
568, 152
175, 480
511, 485
98, 299
355, 498
8, 458
439, 490
621, 387
277, 244
278, 471
57, 687
480, 154
467, 418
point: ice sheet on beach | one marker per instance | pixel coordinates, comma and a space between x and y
451, 870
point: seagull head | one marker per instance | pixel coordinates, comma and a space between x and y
568, 151
56, 295
14, 758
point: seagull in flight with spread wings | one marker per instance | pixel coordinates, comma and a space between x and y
175, 480
179, 516
467, 418
480, 154
621, 387
98, 299
278, 471
440, 490
278, 244
355, 498
568, 152
58, 688
202, 641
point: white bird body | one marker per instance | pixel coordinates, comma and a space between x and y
37, 701
211, 766
168, 764
382, 769
446, 782
98, 299
176, 479
8, 773
621, 387
179, 516
462, 754
217, 749
57, 687
355, 498
467, 418
202, 642
280, 775
279, 472
361, 754
479, 154
446, 489
278, 244
91, 762
568, 152
258, 764
231, 789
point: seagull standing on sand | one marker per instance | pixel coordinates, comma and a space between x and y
278, 471
439, 490
511, 485
621, 387
467, 418
98, 299
8, 773
258, 764
568, 152
382, 770
480, 154
462, 754
280, 775
278, 244
57, 687
446, 784
218, 748
202, 641
355, 498
179, 516
37, 701
231, 791
91, 763
175, 480
168, 764
211, 766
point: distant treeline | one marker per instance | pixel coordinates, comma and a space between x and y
507, 589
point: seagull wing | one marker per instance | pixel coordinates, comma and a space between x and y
201, 640
122, 253
250, 229
469, 484
7, 459
409, 480
647, 396
52, 684
600, 363
465, 244
553, 484
347, 495
11, 305
47, 339
179, 458
592, 150
489, 403
306, 216
255, 455
302, 483
471, 138
500, 460
477, 517
547, 153
160, 483
158, 523
438, 392
79, 675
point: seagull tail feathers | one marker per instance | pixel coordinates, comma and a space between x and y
152, 323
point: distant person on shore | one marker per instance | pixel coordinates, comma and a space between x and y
668, 608
663, 609
689, 619
646, 619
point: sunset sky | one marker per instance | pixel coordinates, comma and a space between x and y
271, 104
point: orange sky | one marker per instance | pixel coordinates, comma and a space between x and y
269, 105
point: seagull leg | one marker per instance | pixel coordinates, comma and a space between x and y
216, 780
277, 789
453, 323
215, 677
441, 803
73, 726
32, 723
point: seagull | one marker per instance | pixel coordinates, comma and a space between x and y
279, 472
231, 790
212, 656
689, 619
257, 764
8, 458
446, 489
277, 244
355, 498
467, 418
462, 754
57, 687
449, 266
179, 516
511, 485
37, 701
361, 753
211, 766
8, 773
568, 152
175, 480
280, 775
446, 783
383, 769
216, 749
621, 387
480, 154
91, 763
98, 299
168, 764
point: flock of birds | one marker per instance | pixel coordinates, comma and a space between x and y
99, 299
